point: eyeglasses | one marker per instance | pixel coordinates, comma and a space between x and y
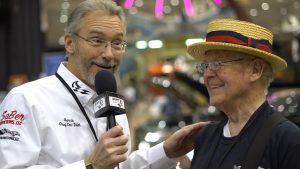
202, 67
97, 42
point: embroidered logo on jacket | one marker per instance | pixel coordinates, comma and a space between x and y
69, 123
12, 135
12, 117
77, 88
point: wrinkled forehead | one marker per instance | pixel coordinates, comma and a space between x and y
215, 55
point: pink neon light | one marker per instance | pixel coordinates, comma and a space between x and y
128, 4
188, 7
159, 6
218, 2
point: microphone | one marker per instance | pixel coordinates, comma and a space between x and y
108, 103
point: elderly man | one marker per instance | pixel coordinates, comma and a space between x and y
237, 64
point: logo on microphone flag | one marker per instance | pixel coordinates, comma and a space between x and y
116, 102
100, 104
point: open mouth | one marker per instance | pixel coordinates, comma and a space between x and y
102, 66
215, 86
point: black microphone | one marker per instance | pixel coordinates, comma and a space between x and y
108, 103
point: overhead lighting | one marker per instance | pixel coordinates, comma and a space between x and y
188, 42
128, 4
166, 83
159, 7
265, 6
65, 5
63, 18
188, 7
174, 2
162, 124
143, 145
141, 44
253, 12
167, 68
167, 9
152, 137
155, 44
218, 2
139, 3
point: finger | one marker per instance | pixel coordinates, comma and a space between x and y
114, 142
198, 125
189, 131
194, 128
115, 131
120, 150
120, 140
120, 158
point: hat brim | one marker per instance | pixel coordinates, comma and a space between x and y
198, 50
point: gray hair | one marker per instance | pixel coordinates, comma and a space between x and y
267, 77
107, 7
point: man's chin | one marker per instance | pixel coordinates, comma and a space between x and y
214, 102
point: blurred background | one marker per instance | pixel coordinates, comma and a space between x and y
163, 91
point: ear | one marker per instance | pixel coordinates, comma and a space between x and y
69, 43
257, 69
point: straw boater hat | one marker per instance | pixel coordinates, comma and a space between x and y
239, 36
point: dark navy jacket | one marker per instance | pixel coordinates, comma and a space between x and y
282, 150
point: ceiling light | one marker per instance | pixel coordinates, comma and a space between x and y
141, 44
188, 7
265, 6
152, 137
159, 5
188, 42
128, 4
154, 44
139, 3
174, 2
167, 9
166, 83
65, 5
253, 12
218, 2
167, 68
63, 18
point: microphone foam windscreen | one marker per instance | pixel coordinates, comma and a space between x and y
105, 82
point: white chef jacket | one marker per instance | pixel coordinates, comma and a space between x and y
42, 127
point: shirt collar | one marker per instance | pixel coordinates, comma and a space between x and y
81, 90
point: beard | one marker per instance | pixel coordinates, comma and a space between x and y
87, 76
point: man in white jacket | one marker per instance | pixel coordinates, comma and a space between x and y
49, 123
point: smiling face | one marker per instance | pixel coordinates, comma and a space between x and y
229, 84
86, 60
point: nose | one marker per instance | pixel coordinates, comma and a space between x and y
107, 52
208, 72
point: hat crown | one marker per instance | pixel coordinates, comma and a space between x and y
245, 28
